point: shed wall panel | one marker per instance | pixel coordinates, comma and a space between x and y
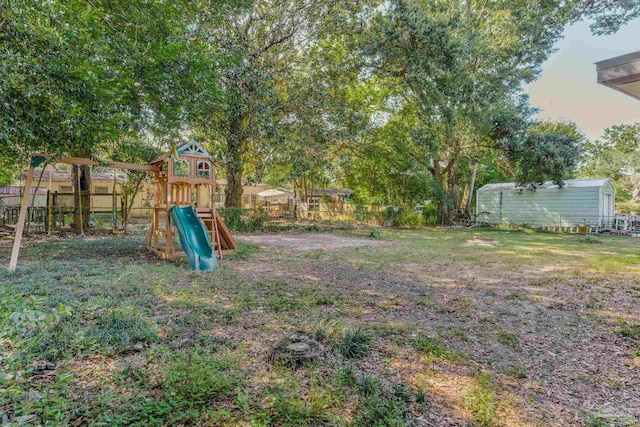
548, 206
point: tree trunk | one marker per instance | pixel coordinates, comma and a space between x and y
443, 208
233, 190
635, 188
470, 186
455, 196
81, 179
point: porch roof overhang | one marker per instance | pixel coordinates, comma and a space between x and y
621, 73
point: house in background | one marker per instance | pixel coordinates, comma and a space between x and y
278, 195
10, 195
578, 202
250, 193
102, 188
319, 203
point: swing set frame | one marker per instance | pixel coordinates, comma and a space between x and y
177, 176
36, 160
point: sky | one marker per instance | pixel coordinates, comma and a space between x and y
567, 88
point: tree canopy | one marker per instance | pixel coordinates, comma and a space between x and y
616, 156
404, 101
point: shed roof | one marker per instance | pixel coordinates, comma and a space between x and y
568, 183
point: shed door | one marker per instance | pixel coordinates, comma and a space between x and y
607, 209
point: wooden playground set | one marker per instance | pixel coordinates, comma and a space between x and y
184, 183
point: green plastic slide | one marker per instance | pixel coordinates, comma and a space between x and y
194, 238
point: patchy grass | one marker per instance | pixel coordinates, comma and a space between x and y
354, 342
482, 402
96, 331
432, 348
109, 334
630, 331
602, 419
508, 338
379, 407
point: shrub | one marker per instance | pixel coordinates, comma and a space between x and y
627, 208
233, 218
402, 217
430, 214
375, 233
255, 223
355, 342
238, 219
392, 216
411, 218
364, 214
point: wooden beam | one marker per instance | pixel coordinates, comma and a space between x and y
89, 162
17, 240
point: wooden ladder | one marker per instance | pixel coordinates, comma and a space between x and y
208, 217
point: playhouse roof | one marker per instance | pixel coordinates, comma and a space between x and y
190, 147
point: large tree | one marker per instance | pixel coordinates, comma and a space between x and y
272, 49
78, 75
616, 156
256, 38
550, 151
608, 16
458, 67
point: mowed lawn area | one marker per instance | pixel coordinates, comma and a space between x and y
424, 327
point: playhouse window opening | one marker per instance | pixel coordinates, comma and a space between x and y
204, 169
181, 167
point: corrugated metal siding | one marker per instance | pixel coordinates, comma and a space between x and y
550, 206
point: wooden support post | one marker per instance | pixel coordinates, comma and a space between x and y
156, 229
80, 204
49, 210
24, 204
168, 243
114, 205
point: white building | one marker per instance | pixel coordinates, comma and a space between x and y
579, 201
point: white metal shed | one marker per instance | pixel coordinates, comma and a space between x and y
579, 201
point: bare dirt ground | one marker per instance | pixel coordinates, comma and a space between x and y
307, 241
546, 330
